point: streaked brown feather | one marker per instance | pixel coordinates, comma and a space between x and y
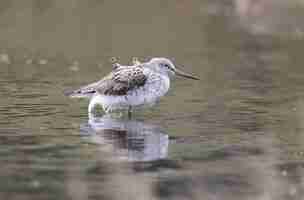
122, 80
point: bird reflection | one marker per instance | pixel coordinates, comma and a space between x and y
126, 139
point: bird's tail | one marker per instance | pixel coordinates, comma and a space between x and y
83, 92
79, 93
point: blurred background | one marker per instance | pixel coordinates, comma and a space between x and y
235, 134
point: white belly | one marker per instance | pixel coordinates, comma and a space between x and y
155, 87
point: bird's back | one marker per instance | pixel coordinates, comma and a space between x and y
117, 83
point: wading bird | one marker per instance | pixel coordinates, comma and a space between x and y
128, 87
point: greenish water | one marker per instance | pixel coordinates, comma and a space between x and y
235, 134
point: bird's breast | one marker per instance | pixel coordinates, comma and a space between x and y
155, 87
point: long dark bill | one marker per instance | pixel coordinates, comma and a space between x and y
184, 74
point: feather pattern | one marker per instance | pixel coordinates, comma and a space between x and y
116, 83
122, 80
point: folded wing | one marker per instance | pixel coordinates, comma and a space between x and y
119, 82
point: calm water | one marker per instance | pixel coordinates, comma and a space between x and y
235, 134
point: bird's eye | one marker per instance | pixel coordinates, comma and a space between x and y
167, 66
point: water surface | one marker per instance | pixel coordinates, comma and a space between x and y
235, 134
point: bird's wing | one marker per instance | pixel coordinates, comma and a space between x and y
122, 80
116, 83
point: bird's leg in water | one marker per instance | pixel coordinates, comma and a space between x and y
130, 112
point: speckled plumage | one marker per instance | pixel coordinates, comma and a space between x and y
116, 83
122, 80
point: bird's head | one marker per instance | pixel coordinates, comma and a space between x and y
166, 67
